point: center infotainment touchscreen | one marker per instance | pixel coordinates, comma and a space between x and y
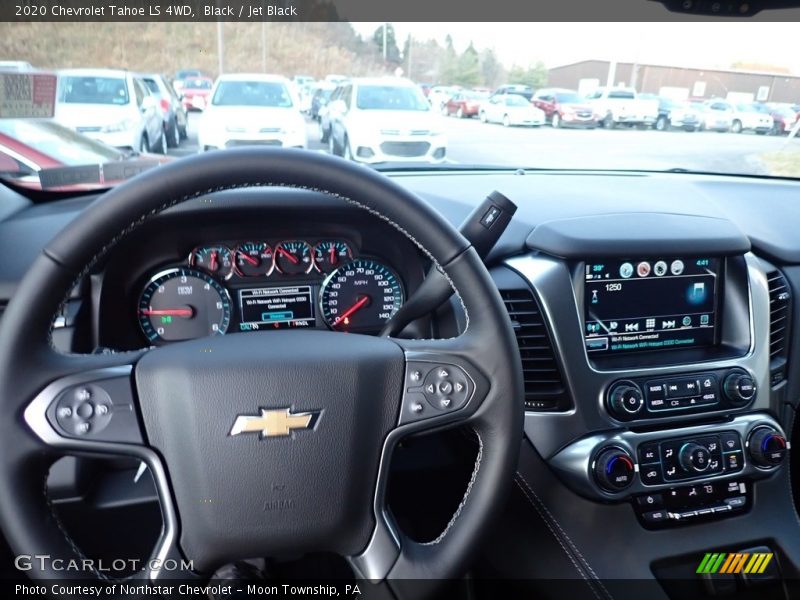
650, 304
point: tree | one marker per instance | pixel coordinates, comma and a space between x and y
492, 69
448, 65
532, 75
468, 68
392, 51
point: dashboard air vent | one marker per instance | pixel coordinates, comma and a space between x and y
544, 386
779, 322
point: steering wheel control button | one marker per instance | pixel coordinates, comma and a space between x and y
614, 469
625, 399
89, 411
441, 386
767, 447
739, 388
417, 407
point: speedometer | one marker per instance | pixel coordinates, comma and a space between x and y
181, 304
361, 295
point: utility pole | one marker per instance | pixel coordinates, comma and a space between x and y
408, 67
264, 46
384, 41
220, 48
612, 73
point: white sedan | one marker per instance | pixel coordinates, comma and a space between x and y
251, 109
511, 109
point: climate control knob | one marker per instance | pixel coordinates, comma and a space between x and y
694, 458
767, 447
625, 399
739, 388
613, 469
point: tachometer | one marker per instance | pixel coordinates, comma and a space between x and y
361, 295
181, 304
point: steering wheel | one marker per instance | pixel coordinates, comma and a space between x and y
260, 443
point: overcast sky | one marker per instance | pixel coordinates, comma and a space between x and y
682, 44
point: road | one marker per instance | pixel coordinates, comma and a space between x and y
473, 142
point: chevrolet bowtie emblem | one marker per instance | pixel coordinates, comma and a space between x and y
274, 423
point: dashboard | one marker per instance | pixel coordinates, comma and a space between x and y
653, 314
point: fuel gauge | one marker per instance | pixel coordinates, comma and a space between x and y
293, 257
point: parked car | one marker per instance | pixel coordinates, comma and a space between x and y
320, 97
564, 108
384, 119
511, 109
716, 115
747, 117
28, 146
173, 112
182, 75
784, 117
16, 65
678, 114
195, 91
115, 107
251, 109
525, 91
621, 106
440, 95
466, 103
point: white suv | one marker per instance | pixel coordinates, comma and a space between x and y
385, 119
115, 107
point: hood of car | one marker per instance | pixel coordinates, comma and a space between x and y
93, 115
402, 121
575, 107
250, 118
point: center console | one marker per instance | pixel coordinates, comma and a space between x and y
663, 342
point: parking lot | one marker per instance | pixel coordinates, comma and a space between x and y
473, 142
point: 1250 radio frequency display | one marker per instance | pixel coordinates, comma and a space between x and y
653, 304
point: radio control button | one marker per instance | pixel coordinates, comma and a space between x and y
655, 390
682, 388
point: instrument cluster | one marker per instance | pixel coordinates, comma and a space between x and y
255, 285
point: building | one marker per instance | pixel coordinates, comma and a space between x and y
679, 81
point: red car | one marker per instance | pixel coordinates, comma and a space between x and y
784, 119
565, 108
466, 103
195, 92
38, 155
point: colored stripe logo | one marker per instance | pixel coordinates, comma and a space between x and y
735, 562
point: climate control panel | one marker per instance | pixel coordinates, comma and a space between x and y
655, 397
621, 464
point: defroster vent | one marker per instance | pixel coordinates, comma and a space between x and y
544, 385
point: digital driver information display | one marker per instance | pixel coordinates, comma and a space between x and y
276, 307
646, 305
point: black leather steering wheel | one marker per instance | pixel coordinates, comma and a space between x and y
226, 497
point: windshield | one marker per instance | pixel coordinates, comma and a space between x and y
514, 100
198, 84
252, 93
705, 96
391, 97
568, 98
93, 90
